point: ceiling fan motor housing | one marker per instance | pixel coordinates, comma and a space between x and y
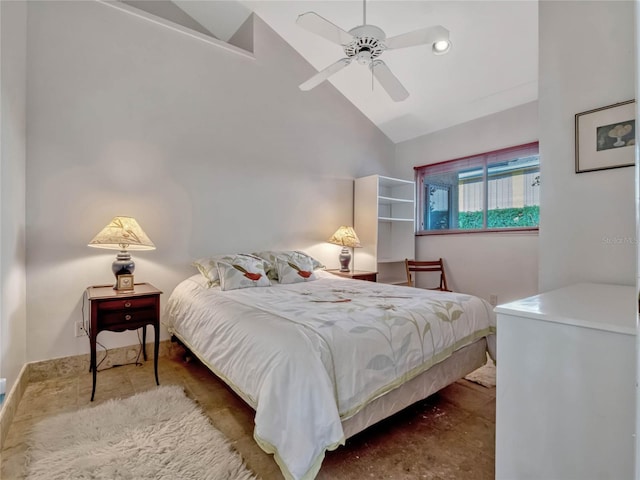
367, 45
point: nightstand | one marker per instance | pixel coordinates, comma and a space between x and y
117, 311
357, 275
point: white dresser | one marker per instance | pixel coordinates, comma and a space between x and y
565, 405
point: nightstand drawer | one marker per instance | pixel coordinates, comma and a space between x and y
357, 275
123, 317
127, 303
369, 277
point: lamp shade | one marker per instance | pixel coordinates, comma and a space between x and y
346, 237
122, 233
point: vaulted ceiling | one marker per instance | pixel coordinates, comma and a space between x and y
492, 66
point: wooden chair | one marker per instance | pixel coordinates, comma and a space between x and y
427, 266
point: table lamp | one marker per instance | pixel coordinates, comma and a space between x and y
124, 234
346, 237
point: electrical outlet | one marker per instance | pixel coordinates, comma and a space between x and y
79, 329
493, 300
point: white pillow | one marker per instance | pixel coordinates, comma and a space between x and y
300, 270
270, 257
208, 266
242, 272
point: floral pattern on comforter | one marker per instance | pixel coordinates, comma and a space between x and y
387, 334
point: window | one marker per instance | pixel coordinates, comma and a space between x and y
498, 190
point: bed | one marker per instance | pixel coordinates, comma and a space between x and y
322, 358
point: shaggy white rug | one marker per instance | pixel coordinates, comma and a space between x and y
485, 375
159, 434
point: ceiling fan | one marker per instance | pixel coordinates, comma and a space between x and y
365, 44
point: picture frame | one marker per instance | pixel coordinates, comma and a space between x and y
124, 282
605, 137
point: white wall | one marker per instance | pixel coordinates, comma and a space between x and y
587, 231
482, 264
13, 324
211, 152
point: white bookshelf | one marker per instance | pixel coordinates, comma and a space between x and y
384, 219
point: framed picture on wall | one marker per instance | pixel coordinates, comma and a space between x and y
605, 137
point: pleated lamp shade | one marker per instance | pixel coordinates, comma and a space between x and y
122, 233
345, 236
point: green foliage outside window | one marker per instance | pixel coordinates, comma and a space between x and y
501, 218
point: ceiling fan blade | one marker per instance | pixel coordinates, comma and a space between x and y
322, 75
422, 36
389, 81
320, 26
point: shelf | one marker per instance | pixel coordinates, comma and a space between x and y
390, 260
393, 182
394, 281
390, 201
384, 217
398, 282
388, 219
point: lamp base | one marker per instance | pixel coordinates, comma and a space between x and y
345, 259
123, 264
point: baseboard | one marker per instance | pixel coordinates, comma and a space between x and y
67, 366
75, 364
11, 402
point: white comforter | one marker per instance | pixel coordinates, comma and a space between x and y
307, 355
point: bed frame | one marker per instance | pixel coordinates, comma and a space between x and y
460, 363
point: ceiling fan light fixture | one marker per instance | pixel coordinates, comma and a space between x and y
441, 47
364, 57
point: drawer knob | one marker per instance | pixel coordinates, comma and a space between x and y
127, 304
127, 317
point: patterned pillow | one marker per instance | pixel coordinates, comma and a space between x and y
208, 266
270, 257
243, 272
293, 272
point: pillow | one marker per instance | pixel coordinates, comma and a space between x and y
294, 272
208, 266
242, 272
294, 256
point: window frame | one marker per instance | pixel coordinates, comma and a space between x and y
485, 159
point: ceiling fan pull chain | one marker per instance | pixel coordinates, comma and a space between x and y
372, 67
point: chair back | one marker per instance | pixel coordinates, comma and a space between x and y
426, 266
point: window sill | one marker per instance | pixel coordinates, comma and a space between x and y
528, 230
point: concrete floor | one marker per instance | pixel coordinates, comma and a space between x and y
450, 435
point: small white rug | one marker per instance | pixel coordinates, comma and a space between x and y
485, 375
159, 434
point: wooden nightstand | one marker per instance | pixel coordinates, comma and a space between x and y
357, 275
118, 311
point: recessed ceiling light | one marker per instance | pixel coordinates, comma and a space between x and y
441, 47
